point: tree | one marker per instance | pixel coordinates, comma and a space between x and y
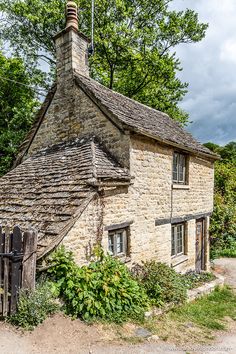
17, 108
134, 43
223, 220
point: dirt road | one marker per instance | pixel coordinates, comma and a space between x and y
60, 335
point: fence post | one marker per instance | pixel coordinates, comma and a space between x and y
1, 270
29, 260
17, 249
6, 272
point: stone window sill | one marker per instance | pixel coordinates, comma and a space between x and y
123, 258
178, 260
180, 186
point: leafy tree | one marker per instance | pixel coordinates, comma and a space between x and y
223, 221
17, 107
134, 43
228, 152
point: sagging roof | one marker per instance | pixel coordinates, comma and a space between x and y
50, 189
139, 118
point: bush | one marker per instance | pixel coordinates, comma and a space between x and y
162, 283
104, 289
34, 307
193, 279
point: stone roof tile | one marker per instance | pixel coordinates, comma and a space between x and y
49, 190
140, 118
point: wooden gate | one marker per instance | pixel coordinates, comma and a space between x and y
17, 266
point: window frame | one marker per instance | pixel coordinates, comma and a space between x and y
174, 239
179, 168
115, 234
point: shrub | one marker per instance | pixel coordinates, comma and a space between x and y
193, 279
162, 283
34, 307
104, 289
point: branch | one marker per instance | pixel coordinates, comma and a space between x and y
140, 86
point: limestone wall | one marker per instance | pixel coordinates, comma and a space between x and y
148, 198
198, 197
85, 233
71, 115
152, 197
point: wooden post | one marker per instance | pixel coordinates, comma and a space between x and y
1, 269
6, 272
17, 249
29, 260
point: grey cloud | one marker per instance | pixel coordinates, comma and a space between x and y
210, 69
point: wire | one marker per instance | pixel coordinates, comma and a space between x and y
39, 91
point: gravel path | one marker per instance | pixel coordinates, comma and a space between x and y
227, 267
60, 335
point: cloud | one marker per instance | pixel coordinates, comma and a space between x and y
228, 51
210, 69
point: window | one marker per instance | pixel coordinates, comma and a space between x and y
177, 239
179, 168
117, 242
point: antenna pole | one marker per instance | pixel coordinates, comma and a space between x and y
92, 30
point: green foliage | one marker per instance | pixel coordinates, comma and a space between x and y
34, 307
162, 283
134, 42
223, 220
192, 279
104, 289
208, 311
17, 108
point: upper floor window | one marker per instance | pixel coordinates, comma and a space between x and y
179, 168
117, 242
177, 239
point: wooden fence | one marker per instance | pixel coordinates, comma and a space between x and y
17, 266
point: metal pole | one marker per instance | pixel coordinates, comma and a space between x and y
92, 30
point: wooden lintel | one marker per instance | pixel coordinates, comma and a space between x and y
180, 219
118, 226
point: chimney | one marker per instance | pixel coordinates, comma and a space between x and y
71, 48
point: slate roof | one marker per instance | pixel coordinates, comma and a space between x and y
139, 118
49, 190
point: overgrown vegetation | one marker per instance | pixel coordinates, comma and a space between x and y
223, 220
192, 279
162, 283
34, 307
104, 289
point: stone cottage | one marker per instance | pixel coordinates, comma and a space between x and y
98, 167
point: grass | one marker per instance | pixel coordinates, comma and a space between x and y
208, 311
189, 323
197, 321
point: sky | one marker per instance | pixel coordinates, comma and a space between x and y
210, 69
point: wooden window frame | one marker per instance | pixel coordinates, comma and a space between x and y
114, 234
181, 169
174, 239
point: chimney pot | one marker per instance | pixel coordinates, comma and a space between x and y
71, 14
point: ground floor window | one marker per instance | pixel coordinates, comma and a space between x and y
177, 239
118, 242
